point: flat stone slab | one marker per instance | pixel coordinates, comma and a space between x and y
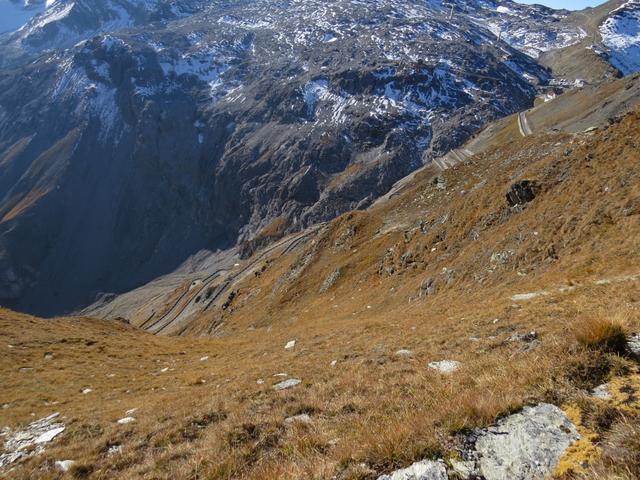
30, 440
126, 420
289, 383
424, 470
404, 352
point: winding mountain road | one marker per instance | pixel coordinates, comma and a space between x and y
523, 124
191, 300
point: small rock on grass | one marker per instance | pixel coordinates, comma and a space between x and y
126, 420
602, 392
403, 352
424, 470
65, 465
633, 342
289, 383
302, 418
445, 366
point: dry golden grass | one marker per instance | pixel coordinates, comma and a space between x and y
372, 411
602, 333
621, 452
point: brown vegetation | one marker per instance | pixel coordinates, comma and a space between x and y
574, 248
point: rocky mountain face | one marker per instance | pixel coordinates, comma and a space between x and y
621, 35
134, 134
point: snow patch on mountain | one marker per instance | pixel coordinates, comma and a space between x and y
96, 100
621, 35
55, 13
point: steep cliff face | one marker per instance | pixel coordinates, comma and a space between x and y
194, 125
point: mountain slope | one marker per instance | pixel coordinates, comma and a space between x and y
204, 285
449, 269
195, 126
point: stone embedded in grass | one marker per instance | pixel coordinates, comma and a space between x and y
65, 465
86, 391
602, 392
633, 342
522, 192
204, 359
114, 450
530, 340
403, 352
126, 420
445, 366
524, 337
424, 470
290, 344
524, 446
330, 281
289, 383
302, 418
527, 296
50, 435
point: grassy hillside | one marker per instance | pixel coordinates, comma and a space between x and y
446, 270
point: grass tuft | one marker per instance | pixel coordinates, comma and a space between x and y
597, 333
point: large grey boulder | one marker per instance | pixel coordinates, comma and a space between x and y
524, 446
424, 470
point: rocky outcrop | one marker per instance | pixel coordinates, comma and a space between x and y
524, 446
330, 281
522, 192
